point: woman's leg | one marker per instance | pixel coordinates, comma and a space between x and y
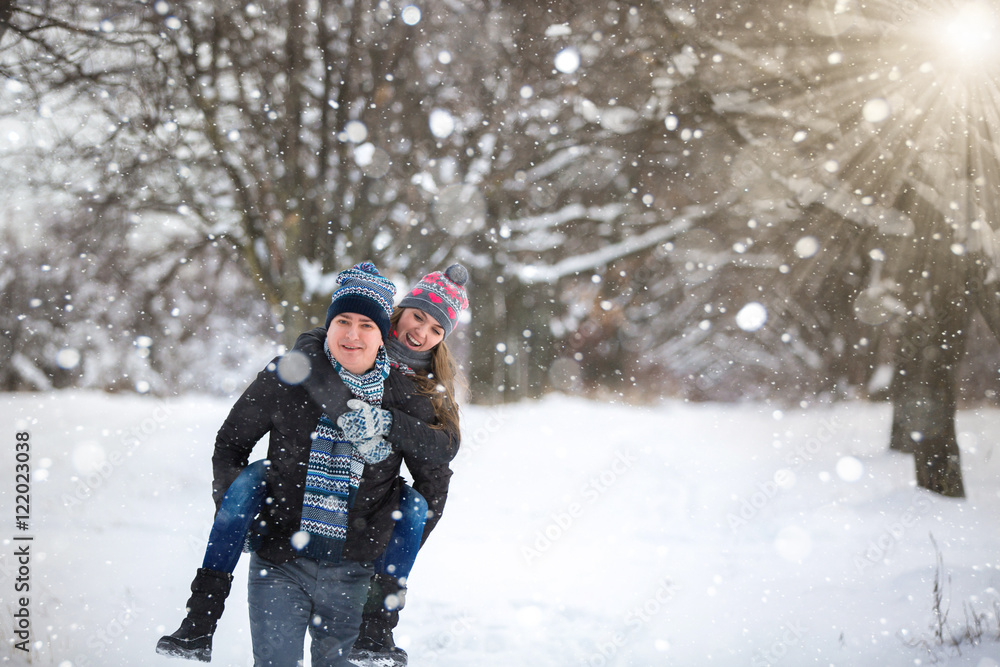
399, 555
243, 501
387, 589
212, 582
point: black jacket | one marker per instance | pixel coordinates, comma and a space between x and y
290, 414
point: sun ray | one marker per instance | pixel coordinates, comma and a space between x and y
893, 97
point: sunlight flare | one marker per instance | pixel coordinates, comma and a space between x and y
971, 36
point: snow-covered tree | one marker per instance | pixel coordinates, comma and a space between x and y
650, 198
94, 295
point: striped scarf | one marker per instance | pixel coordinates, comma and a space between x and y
335, 469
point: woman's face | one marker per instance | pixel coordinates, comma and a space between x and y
418, 331
354, 341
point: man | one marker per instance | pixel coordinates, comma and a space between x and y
331, 498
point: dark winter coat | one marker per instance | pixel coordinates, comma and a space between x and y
290, 413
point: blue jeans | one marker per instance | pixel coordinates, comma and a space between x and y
401, 552
243, 501
245, 497
304, 594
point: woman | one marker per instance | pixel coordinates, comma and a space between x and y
415, 436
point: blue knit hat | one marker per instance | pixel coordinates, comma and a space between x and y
363, 290
441, 295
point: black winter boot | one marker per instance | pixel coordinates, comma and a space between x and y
193, 640
374, 646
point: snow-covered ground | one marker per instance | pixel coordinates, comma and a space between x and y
577, 533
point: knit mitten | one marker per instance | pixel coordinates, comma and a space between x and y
364, 421
373, 450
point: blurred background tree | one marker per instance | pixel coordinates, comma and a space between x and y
884, 118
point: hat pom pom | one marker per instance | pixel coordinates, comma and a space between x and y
353, 272
367, 267
457, 274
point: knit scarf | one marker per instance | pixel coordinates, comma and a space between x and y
404, 359
335, 469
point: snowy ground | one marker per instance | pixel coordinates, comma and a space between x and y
577, 533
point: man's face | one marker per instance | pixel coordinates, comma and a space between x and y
354, 341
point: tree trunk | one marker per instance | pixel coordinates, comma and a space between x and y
486, 368
984, 292
923, 394
6, 11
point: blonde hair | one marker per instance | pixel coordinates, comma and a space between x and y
440, 383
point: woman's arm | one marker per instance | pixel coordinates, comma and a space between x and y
413, 415
431, 481
415, 438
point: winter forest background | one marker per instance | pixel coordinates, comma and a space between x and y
716, 201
